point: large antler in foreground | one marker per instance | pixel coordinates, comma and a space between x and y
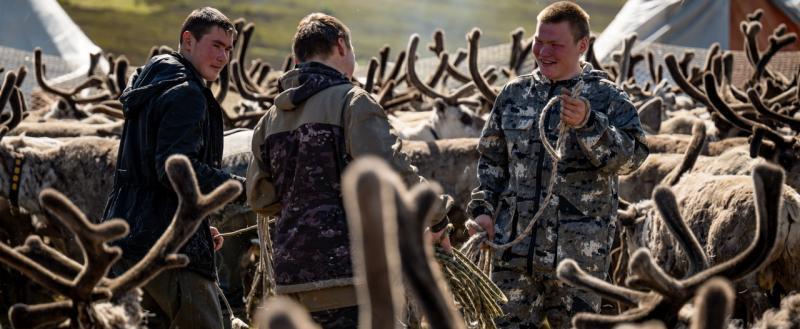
663, 295
90, 284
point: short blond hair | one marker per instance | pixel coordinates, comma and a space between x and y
570, 12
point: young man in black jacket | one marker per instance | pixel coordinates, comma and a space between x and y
169, 110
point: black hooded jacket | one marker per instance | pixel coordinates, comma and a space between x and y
168, 110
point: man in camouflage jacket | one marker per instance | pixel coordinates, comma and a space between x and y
318, 124
604, 140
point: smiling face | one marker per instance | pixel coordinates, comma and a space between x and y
556, 51
210, 54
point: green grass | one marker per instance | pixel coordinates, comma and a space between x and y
131, 27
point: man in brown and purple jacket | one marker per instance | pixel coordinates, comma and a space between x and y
318, 124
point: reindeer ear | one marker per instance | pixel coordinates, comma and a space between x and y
650, 114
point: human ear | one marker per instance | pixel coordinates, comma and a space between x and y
583, 44
187, 40
341, 46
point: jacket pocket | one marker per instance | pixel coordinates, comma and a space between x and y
587, 240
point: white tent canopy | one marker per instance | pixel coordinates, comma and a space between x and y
27, 24
688, 23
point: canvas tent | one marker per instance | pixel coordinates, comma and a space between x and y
695, 23
27, 24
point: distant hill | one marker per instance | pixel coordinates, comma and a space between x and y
131, 27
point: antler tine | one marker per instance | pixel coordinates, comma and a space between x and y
524, 53
516, 45
775, 44
255, 66
47, 315
690, 155
644, 272
625, 62
682, 82
384, 60
473, 39
717, 103
369, 203
287, 63
569, 272
35, 249
263, 73
437, 46
668, 208
224, 84
461, 55
755, 99
22, 72
727, 67
282, 312
386, 92
7, 88
36, 272
121, 72
651, 67
756, 15
94, 59
373, 66
193, 207
590, 56
686, 59
39, 69
92, 238
768, 185
750, 30
247, 33
713, 51
713, 305
411, 70
434, 78
604, 321
398, 64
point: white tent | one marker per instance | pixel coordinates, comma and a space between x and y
694, 23
27, 24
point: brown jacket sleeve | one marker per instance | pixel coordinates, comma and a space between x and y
367, 132
260, 191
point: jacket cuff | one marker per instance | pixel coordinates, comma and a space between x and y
476, 211
588, 114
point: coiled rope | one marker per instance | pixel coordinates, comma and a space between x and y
479, 248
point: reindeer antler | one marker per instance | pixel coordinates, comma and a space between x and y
193, 207
473, 39
668, 295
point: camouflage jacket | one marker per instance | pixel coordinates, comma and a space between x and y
514, 170
319, 123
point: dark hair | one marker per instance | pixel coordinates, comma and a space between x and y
570, 12
316, 35
200, 21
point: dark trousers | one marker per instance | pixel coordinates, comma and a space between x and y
180, 298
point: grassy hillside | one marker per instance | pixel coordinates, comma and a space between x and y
131, 27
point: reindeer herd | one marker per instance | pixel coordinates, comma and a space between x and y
708, 235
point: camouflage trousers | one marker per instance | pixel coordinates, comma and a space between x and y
532, 300
530, 282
